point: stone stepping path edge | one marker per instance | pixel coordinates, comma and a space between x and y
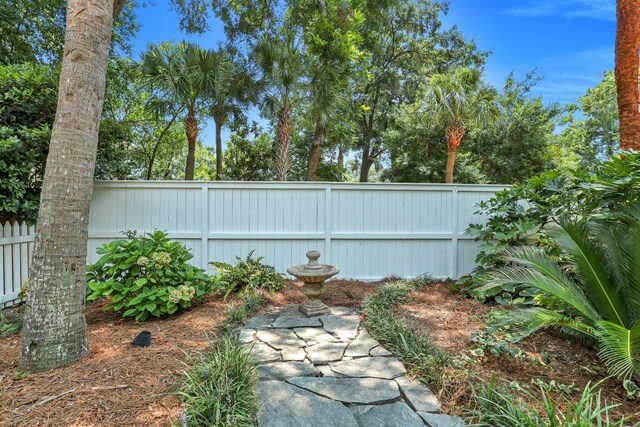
328, 371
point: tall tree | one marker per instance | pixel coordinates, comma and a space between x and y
54, 330
455, 98
182, 75
281, 64
233, 90
626, 71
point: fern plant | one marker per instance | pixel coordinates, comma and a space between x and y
248, 274
597, 287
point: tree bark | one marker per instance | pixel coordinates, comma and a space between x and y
219, 123
54, 330
283, 139
626, 72
316, 152
191, 129
365, 166
454, 132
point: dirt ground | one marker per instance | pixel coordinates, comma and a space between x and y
119, 385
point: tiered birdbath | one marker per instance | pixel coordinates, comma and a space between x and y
313, 274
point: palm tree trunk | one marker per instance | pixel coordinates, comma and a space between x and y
316, 152
626, 71
455, 131
54, 330
219, 123
283, 139
191, 129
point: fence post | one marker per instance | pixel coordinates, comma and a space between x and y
327, 224
204, 227
454, 232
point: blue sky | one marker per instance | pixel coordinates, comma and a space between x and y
569, 42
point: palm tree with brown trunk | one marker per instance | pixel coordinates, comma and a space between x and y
626, 71
452, 101
232, 92
182, 75
54, 329
281, 63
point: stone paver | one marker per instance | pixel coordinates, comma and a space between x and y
315, 335
328, 371
285, 405
418, 395
364, 391
343, 327
441, 420
322, 354
393, 415
282, 370
280, 338
375, 367
362, 345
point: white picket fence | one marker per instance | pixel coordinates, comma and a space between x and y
369, 230
16, 245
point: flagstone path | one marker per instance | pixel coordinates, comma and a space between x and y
328, 371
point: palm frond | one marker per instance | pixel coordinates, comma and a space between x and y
524, 322
536, 269
620, 348
590, 261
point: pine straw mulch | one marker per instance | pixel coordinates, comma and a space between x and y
116, 384
450, 319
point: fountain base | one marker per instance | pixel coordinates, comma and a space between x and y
314, 308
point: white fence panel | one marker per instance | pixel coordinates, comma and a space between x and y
16, 245
369, 230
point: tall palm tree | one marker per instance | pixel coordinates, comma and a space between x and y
282, 67
54, 330
626, 71
181, 74
455, 99
234, 89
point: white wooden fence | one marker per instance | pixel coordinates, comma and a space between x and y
16, 245
369, 230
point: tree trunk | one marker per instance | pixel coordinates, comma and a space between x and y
455, 131
626, 71
365, 166
54, 330
341, 157
316, 152
191, 129
283, 139
219, 124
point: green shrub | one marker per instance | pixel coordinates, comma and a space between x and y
517, 216
596, 290
497, 407
146, 276
217, 388
238, 314
248, 274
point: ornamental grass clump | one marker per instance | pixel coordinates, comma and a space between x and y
146, 276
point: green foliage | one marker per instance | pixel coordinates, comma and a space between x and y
249, 159
596, 289
415, 351
517, 216
27, 108
239, 313
498, 407
146, 276
484, 340
248, 274
217, 389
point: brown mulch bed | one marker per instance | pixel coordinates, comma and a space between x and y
116, 384
450, 319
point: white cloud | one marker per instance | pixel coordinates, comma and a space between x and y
593, 9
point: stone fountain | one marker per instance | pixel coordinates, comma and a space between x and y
313, 274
